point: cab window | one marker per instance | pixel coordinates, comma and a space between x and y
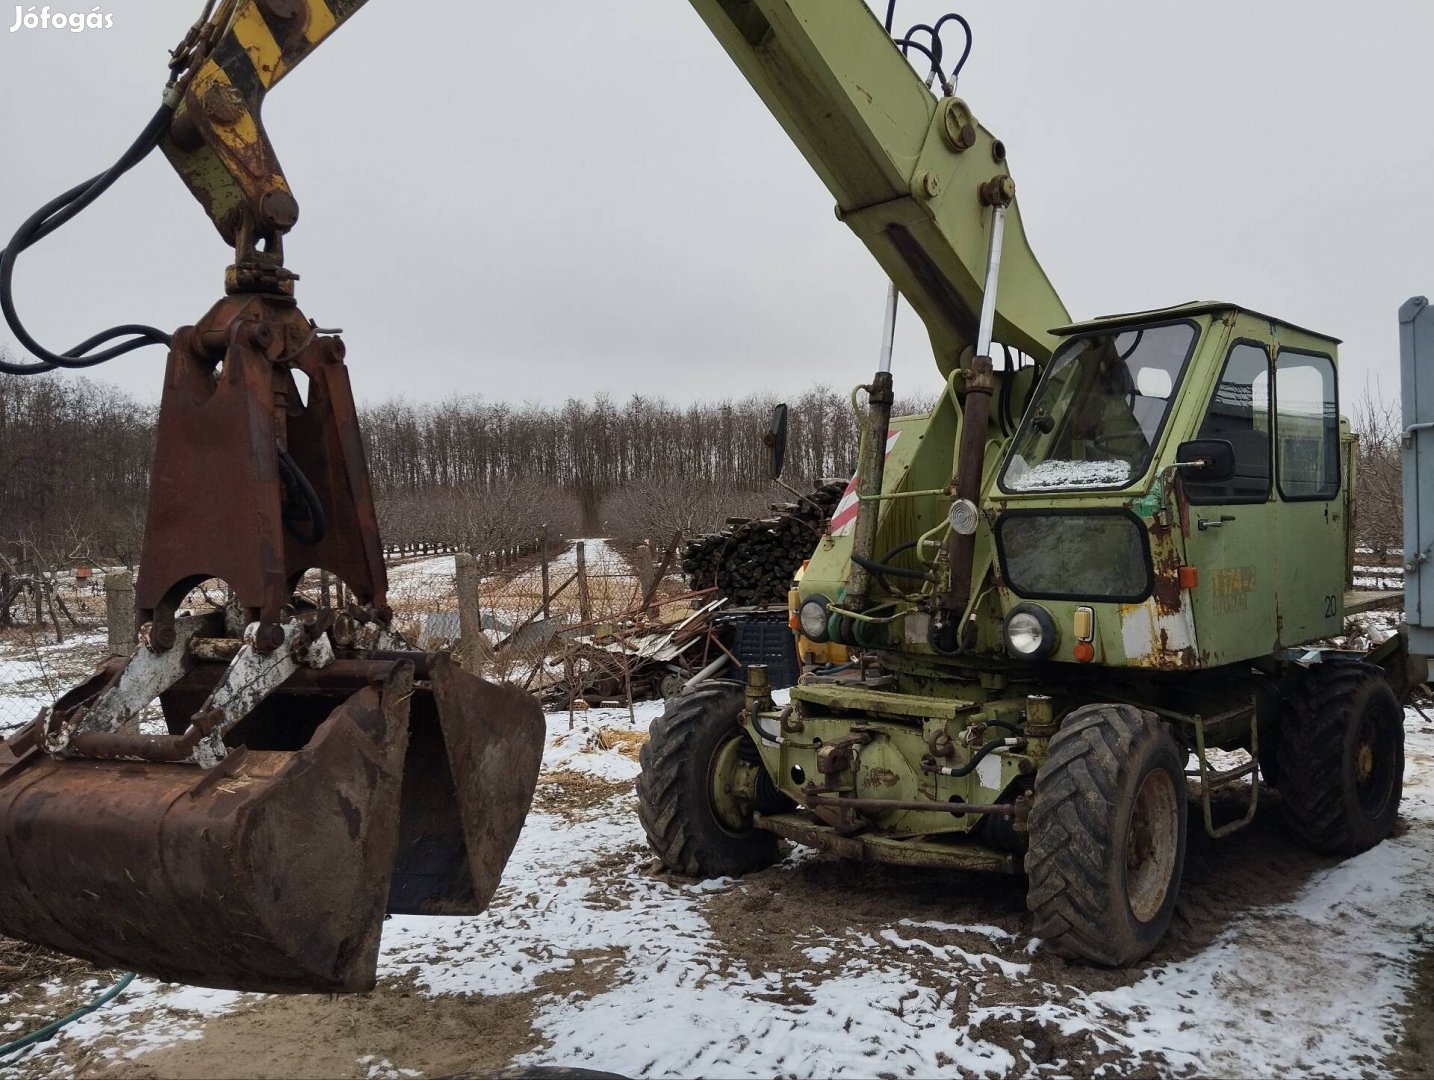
1306, 425
1100, 409
1239, 414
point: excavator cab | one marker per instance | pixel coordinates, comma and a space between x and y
314, 773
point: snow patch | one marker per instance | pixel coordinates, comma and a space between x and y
1069, 474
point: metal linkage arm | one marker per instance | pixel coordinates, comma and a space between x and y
913, 175
217, 141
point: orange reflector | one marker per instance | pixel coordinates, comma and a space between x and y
1189, 577
1084, 651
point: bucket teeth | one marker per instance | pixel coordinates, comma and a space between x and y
272, 870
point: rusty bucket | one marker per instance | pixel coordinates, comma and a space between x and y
390, 782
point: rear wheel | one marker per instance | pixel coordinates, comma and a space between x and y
1341, 758
701, 781
1107, 833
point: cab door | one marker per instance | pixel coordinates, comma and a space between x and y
1310, 554
1233, 523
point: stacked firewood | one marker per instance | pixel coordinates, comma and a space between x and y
752, 560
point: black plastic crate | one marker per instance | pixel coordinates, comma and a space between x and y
763, 637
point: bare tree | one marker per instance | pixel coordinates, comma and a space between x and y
1379, 494
653, 509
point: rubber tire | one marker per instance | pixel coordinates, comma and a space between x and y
1318, 756
1079, 827
672, 791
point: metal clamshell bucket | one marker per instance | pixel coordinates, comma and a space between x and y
350, 791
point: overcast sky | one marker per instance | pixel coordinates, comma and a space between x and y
534, 200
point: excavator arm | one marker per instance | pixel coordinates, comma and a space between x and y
913, 174
927, 189
216, 141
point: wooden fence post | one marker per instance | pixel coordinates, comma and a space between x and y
119, 612
470, 621
642, 563
585, 607
543, 555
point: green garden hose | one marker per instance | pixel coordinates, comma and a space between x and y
49, 1029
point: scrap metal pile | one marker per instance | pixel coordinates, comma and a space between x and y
751, 562
640, 654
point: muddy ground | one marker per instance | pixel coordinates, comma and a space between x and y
1279, 962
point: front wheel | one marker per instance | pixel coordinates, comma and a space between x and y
701, 781
1107, 833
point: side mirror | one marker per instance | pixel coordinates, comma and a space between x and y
1206, 461
776, 441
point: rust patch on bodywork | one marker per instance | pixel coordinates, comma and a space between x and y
1183, 658
1162, 640
1167, 562
1166, 589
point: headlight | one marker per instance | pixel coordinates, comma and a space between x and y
1030, 632
813, 618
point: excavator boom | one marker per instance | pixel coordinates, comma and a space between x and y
912, 172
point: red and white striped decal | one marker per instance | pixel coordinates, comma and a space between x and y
844, 516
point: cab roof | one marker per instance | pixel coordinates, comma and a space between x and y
1179, 311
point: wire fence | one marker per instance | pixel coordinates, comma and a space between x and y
534, 615
59, 634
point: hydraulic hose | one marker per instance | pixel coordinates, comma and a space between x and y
976, 758
298, 490
45, 221
879, 569
882, 569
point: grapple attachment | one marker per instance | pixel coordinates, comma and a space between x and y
310, 778
270, 869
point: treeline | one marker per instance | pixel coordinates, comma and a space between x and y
75, 455
602, 444
74, 466
477, 471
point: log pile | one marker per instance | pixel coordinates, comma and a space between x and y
752, 560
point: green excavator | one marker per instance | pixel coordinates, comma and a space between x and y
1113, 548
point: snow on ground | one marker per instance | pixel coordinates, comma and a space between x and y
612, 582
598, 554
432, 568
425, 585
422, 585
33, 674
820, 968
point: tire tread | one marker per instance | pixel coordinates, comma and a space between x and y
1071, 830
674, 827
